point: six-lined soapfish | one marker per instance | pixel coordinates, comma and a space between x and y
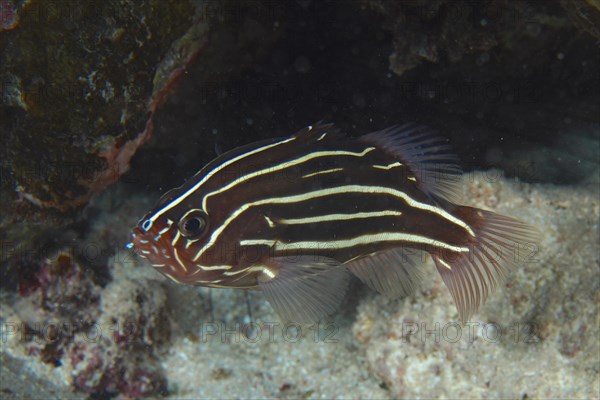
295, 216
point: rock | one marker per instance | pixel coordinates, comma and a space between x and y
92, 339
77, 82
80, 85
585, 14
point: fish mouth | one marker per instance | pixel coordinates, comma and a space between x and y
154, 249
144, 245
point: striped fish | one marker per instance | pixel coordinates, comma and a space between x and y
295, 216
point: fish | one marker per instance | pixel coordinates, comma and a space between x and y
297, 216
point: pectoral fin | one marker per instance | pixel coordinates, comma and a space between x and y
304, 289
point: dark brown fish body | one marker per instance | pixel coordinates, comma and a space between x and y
294, 216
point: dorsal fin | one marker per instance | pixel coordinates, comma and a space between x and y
318, 131
428, 156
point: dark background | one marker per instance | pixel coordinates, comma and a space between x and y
524, 101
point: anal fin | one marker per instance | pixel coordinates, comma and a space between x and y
304, 289
393, 273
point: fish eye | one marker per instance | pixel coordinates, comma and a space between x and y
193, 224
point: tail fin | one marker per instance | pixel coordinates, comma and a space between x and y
499, 243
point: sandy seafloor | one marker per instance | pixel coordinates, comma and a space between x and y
537, 337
